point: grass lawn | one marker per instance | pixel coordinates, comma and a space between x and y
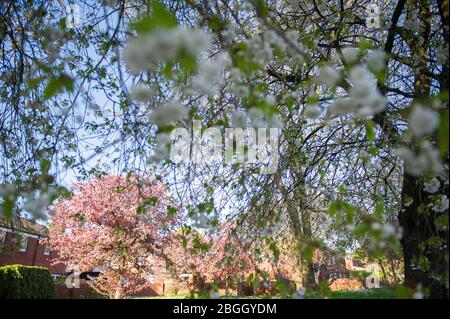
379, 293
375, 293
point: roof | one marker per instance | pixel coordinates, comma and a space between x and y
24, 225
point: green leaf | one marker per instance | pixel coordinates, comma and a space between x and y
379, 208
256, 283
45, 166
55, 84
188, 64
215, 23
160, 17
334, 208
262, 8
370, 131
171, 211
8, 206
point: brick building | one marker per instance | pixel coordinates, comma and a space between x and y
22, 242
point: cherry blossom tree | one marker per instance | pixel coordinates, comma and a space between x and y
216, 256
121, 224
358, 90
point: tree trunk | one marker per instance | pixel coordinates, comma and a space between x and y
394, 274
420, 227
308, 279
301, 224
383, 271
422, 241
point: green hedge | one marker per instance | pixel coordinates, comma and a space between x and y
26, 282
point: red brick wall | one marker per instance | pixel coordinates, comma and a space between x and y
33, 256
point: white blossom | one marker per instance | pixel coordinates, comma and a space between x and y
210, 75
432, 186
276, 122
312, 111
388, 230
257, 117
163, 138
376, 60
270, 99
238, 119
350, 54
423, 121
329, 76
418, 295
426, 160
148, 50
441, 204
341, 106
141, 93
364, 92
375, 226
168, 113
364, 155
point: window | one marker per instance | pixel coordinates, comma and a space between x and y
21, 242
47, 250
2, 237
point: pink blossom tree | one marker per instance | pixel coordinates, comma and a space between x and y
215, 256
122, 224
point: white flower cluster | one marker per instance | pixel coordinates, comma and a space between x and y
364, 93
142, 93
376, 60
147, 51
427, 160
364, 156
329, 76
36, 205
8, 190
54, 38
257, 119
387, 234
423, 121
259, 51
237, 87
432, 186
168, 113
364, 98
238, 119
200, 220
313, 111
161, 151
441, 204
350, 55
210, 76
387, 230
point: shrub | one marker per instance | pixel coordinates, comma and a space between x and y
26, 282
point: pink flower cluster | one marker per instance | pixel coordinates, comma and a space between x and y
122, 224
